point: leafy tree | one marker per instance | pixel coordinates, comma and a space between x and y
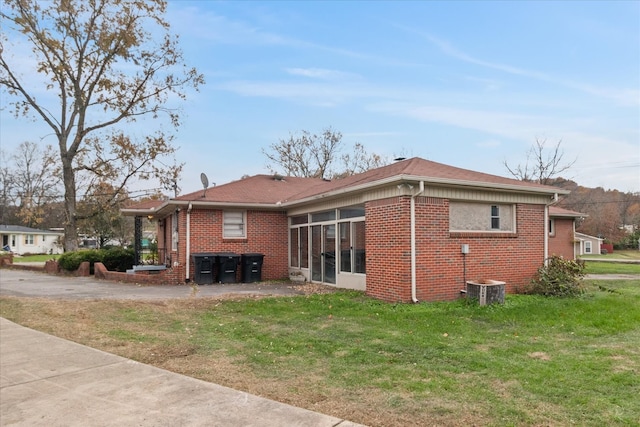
541, 165
314, 155
110, 62
101, 209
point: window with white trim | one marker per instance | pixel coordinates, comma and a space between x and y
552, 227
587, 247
233, 225
28, 239
495, 217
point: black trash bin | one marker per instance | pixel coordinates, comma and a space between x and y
251, 265
204, 264
227, 263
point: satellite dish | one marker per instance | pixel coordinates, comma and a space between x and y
205, 183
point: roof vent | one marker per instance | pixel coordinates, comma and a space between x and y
277, 177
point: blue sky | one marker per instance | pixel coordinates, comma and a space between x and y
470, 84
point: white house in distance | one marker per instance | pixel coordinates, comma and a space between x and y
587, 245
24, 240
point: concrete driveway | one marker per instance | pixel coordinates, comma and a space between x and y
24, 283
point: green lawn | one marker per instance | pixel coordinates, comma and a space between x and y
34, 258
532, 361
603, 267
628, 254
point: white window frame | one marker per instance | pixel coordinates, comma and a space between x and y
29, 239
587, 247
175, 236
234, 224
495, 217
552, 227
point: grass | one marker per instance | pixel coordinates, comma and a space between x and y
594, 266
35, 258
531, 361
627, 254
603, 267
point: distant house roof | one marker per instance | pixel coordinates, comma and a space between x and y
555, 211
583, 236
274, 191
19, 229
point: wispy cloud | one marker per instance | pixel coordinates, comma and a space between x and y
624, 96
320, 73
210, 26
491, 143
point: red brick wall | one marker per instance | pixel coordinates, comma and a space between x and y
388, 249
561, 243
267, 233
511, 257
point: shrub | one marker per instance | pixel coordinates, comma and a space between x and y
114, 259
559, 277
70, 261
118, 259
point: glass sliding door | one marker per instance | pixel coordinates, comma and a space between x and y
329, 253
323, 253
316, 253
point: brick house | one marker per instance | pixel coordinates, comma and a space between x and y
563, 239
396, 232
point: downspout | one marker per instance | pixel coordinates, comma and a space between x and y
188, 242
414, 297
546, 227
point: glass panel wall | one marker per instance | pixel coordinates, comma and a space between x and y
328, 242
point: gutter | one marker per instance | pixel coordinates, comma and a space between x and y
414, 297
188, 257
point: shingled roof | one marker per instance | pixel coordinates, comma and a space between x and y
556, 211
274, 190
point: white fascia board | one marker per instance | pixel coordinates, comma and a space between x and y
445, 182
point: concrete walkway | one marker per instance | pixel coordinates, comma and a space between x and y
48, 381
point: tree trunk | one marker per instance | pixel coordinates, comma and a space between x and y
70, 227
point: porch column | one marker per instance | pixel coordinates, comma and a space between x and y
137, 240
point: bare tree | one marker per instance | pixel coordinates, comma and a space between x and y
110, 62
359, 160
36, 181
314, 155
6, 189
541, 165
